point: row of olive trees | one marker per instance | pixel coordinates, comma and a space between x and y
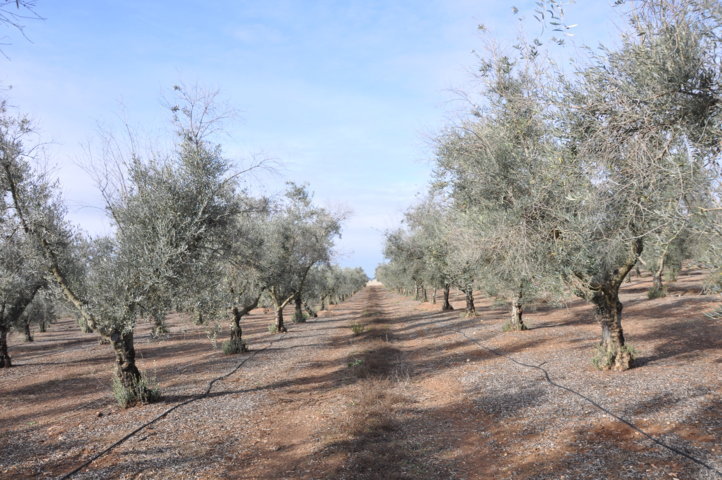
563, 181
183, 229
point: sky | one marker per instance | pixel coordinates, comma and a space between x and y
345, 96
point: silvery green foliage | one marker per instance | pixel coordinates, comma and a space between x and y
167, 210
350, 281
643, 125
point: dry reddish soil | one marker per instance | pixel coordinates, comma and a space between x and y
412, 393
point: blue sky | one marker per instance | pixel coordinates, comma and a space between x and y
343, 95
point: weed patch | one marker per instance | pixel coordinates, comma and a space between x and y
231, 347
145, 390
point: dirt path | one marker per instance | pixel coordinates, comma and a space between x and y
385, 387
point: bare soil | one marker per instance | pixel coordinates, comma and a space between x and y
409, 393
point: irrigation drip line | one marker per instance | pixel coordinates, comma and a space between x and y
165, 413
592, 402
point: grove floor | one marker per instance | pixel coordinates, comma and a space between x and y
383, 387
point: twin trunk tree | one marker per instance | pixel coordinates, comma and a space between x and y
279, 304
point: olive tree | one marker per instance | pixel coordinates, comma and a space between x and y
500, 170
41, 311
327, 283
430, 232
165, 209
393, 275
299, 236
405, 251
23, 271
22, 276
465, 259
643, 124
240, 264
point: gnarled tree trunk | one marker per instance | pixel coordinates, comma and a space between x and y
279, 304
125, 369
237, 345
613, 354
10, 316
657, 284
237, 332
446, 307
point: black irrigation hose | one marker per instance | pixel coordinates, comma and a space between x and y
164, 414
595, 404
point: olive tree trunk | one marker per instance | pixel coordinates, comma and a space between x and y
159, 328
311, 313
612, 353
469, 297
236, 343
279, 305
236, 330
5, 361
446, 307
280, 327
657, 283
26, 331
126, 371
516, 323
298, 309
